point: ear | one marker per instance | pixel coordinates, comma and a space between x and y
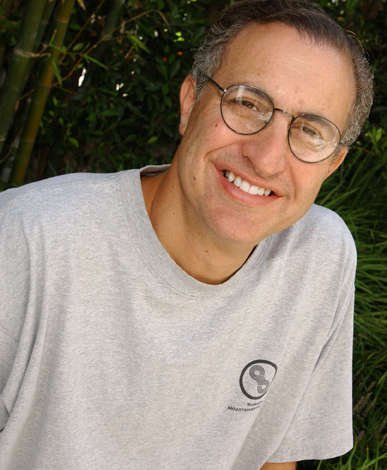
187, 101
337, 161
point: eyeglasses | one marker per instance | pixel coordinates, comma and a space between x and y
247, 110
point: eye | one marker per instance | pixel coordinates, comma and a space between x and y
245, 103
306, 131
252, 108
311, 132
249, 105
246, 108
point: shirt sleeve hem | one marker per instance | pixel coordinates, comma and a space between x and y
312, 453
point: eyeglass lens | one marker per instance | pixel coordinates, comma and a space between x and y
247, 110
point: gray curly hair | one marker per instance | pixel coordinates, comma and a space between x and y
309, 21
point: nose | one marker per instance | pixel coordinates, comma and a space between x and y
268, 150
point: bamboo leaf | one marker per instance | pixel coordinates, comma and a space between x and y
89, 58
108, 113
74, 141
62, 49
137, 42
81, 4
56, 71
174, 69
78, 47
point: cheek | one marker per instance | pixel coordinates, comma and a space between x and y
206, 143
308, 179
207, 125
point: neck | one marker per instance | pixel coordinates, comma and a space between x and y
199, 254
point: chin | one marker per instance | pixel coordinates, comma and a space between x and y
238, 233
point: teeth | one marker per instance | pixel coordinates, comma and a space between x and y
238, 181
230, 176
253, 190
245, 186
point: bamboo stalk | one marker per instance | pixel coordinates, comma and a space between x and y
2, 52
6, 162
21, 56
41, 30
39, 99
43, 23
6, 5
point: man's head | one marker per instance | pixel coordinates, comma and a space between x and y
310, 22
301, 74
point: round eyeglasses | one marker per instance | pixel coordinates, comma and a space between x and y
247, 110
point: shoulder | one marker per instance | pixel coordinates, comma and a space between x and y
319, 237
59, 187
324, 226
319, 217
328, 228
61, 197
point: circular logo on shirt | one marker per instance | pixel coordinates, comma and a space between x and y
256, 378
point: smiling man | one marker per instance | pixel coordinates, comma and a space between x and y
210, 224
197, 316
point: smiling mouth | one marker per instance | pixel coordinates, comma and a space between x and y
245, 186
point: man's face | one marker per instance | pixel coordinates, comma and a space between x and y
300, 78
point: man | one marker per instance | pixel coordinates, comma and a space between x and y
197, 316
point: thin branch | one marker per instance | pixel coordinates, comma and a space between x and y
66, 90
26, 94
127, 55
84, 26
106, 37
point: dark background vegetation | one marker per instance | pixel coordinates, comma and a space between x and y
134, 56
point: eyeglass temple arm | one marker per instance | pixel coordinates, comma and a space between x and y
212, 81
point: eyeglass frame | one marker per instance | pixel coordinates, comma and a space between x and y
224, 90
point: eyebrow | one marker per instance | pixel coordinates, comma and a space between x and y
324, 122
297, 114
253, 89
257, 89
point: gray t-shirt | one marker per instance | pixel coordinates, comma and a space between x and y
112, 357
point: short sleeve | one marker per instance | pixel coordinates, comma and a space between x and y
8, 347
321, 427
14, 292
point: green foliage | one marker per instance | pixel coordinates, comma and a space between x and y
126, 112
358, 193
369, 20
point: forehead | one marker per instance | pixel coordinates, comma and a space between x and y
299, 75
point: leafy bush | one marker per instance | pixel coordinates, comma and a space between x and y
358, 193
126, 112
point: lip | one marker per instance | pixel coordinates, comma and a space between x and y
241, 196
248, 178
